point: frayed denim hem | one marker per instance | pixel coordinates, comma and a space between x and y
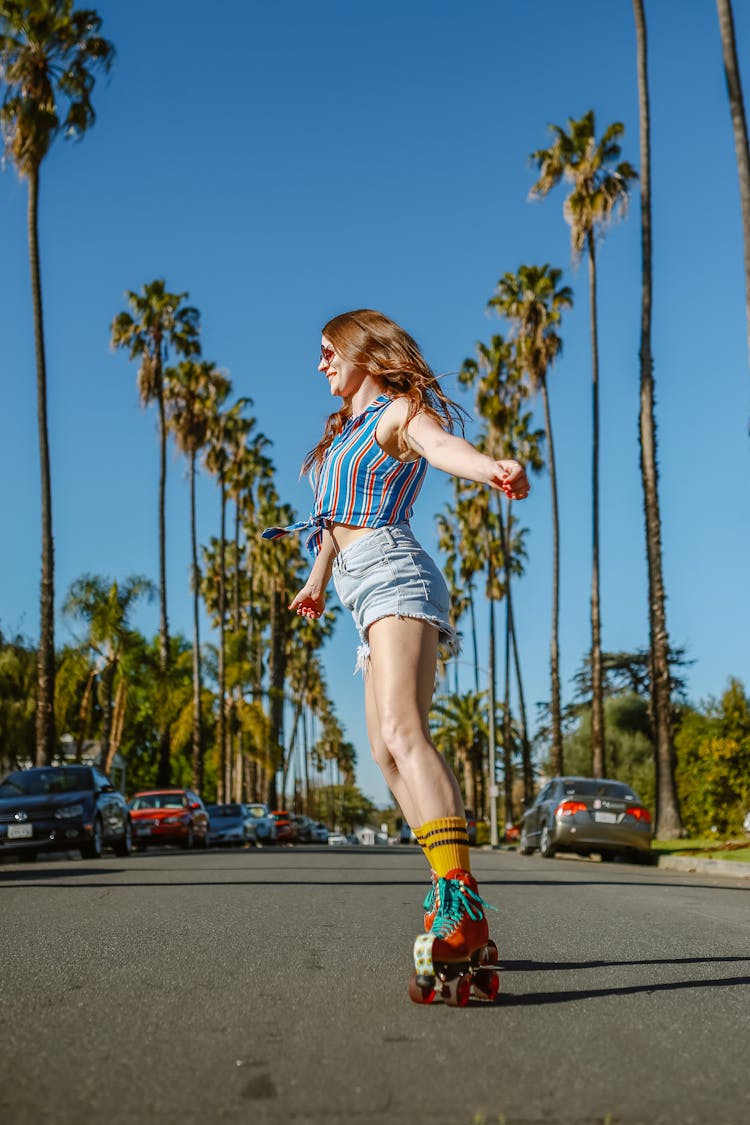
448, 645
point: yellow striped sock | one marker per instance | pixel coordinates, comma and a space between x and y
445, 843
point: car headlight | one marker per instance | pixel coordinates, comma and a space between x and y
67, 812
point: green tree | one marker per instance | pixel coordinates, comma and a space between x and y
599, 193
195, 392
458, 726
18, 663
105, 607
668, 824
158, 323
713, 763
49, 54
533, 301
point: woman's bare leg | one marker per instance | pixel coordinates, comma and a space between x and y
400, 684
383, 759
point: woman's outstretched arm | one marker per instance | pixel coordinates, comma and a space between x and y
311, 599
455, 455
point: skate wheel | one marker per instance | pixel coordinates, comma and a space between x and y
488, 954
420, 991
485, 984
457, 991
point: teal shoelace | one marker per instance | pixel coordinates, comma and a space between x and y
456, 899
429, 899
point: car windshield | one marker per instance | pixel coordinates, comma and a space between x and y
257, 810
158, 801
37, 783
590, 787
225, 810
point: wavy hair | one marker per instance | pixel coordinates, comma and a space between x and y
375, 343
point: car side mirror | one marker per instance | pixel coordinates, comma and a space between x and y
106, 788
195, 805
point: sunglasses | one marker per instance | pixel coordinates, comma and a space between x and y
326, 356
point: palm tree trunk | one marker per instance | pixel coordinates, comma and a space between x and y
164, 768
554, 656
492, 788
474, 643
668, 823
45, 700
197, 740
507, 727
107, 682
223, 757
739, 124
597, 695
528, 775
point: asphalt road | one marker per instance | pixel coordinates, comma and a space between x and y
270, 986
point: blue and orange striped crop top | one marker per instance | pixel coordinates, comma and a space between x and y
359, 483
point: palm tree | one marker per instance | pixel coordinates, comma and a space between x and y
227, 435
157, 323
458, 726
668, 823
532, 302
195, 391
105, 607
48, 56
739, 125
600, 193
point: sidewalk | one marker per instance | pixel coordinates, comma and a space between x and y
735, 869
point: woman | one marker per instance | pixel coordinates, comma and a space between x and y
367, 471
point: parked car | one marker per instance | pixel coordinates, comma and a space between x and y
230, 824
471, 826
61, 808
338, 840
319, 833
305, 826
584, 815
169, 816
286, 829
265, 825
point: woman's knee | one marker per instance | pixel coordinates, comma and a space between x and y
403, 738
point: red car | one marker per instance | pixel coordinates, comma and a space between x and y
168, 816
286, 829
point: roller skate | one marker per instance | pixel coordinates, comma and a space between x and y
456, 960
431, 904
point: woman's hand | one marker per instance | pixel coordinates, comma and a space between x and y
510, 477
309, 602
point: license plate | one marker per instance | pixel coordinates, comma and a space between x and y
143, 830
20, 831
605, 817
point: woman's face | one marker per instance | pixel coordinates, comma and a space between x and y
344, 378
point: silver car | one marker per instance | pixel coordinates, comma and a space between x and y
230, 824
585, 815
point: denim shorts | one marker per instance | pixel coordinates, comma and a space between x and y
388, 574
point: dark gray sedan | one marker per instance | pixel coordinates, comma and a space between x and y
585, 815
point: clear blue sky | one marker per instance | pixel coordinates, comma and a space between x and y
284, 162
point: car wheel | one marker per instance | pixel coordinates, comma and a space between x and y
124, 847
93, 848
189, 840
546, 847
525, 847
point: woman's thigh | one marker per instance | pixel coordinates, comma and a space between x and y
403, 664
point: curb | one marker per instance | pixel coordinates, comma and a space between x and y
735, 869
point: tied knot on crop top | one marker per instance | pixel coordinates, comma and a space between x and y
358, 483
